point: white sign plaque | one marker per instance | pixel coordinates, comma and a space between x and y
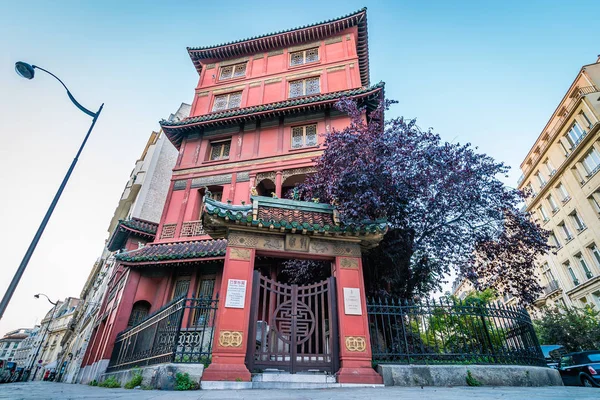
352, 304
236, 293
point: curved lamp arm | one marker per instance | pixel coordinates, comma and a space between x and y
37, 296
82, 108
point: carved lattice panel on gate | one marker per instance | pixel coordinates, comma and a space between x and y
293, 328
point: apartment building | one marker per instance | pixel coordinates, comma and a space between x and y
561, 173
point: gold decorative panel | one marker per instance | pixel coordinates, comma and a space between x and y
239, 254
297, 243
349, 263
230, 339
356, 343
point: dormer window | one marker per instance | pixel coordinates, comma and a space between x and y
233, 71
227, 101
305, 87
304, 57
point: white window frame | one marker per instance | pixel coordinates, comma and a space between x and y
552, 203
563, 191
591, 161
542, 212
566, 231
549, 167
575, 134
583, 263
579, 224
567, 265
234, 68
541, 181
303, 53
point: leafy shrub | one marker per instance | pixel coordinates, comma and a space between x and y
183, 382
93, 383
136, 379
471, 381
110, 382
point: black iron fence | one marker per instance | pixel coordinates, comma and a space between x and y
181, 331
451, 332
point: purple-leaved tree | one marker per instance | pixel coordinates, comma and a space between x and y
446, 208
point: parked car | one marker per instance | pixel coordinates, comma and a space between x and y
552, 354
580, 369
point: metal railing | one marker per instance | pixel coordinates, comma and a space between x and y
181, 331
451, 332
550, 287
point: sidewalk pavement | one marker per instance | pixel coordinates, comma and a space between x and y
62, 391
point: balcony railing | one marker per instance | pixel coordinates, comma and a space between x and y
550, 287
188, 229
182, 332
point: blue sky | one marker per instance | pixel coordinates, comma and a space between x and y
489, 73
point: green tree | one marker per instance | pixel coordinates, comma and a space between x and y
576, 329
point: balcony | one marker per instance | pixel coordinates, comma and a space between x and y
552, 286
188, 229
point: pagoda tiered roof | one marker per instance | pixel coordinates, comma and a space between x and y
291, 37
291, 216
136, 226
176, 130
177, 252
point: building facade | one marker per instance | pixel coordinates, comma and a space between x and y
10, 342
54, 327
561, 173
259, 108
137, 215
25, 351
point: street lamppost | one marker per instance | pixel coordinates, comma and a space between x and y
28, 71
34, 359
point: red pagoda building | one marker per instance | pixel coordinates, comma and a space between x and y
208, 287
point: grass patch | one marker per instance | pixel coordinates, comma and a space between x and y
110, 382
471, 381
183, 382
136, 379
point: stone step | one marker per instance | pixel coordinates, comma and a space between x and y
317, 378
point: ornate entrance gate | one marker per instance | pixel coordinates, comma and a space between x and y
294, 327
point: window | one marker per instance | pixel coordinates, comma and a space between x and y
575, 134
595, 253
540, 179
550, 168
594, 203
565, 230
233, 71
182, 285
227, 101
554, 240
584, 266
304, 57
543, 213
139, 311
304, 87
587, 120
563, 193
565, 151
530, 190
591, 161
304, 136
552, 202
567, 266
220, 150
579, 225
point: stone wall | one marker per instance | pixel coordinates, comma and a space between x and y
161, 376
456, 375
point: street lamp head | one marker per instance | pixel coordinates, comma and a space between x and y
37, 296
24, 69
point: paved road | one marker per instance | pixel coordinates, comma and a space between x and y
60, 391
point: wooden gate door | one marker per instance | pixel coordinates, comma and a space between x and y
294, 328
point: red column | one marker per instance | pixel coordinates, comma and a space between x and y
278, 183
355, 342
231, 326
